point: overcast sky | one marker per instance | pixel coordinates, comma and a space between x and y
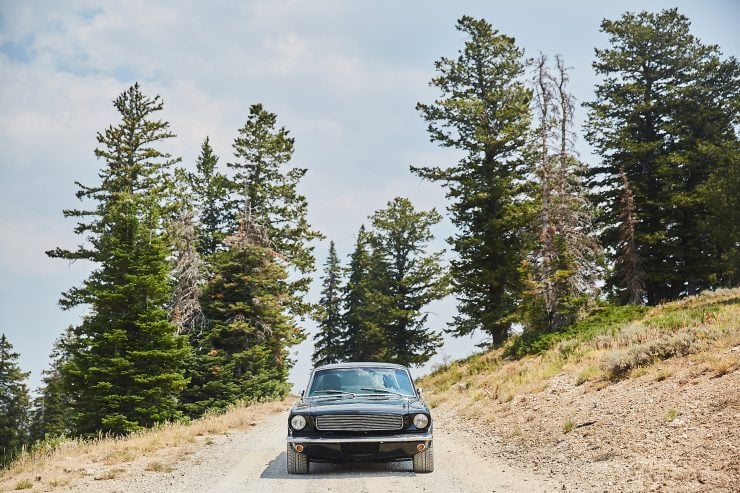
342, 76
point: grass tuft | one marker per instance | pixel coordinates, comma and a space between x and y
109, 474
23, 484
670, 415
588, 374
157, 466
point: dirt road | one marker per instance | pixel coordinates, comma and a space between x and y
254, 461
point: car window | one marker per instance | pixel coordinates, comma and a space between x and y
361, 381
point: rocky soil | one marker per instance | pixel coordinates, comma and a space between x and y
674, 429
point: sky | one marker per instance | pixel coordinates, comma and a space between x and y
343, 76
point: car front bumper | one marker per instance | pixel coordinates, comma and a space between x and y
364, 449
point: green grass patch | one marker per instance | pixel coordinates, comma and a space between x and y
604, 319
677, 318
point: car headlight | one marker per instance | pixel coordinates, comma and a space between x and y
298, 422
421, 420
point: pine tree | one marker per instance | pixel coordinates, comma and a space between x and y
484, 112
723, 224
365, 302
210, 198
125, 363
666, 105
51, 413
628, 268
328, 340
414, 278
261, 178
242, 354
13, 403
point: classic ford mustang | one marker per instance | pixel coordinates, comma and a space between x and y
360, 412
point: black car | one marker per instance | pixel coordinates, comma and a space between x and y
353, 412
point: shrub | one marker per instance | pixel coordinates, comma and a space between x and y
618, 363
567, 347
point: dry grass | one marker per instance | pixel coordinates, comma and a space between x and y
23, 484
704, 326
588, 374
157, 466
64, 462
109, 474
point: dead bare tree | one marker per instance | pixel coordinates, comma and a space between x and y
575, 213
568, 253
544, 108
188, 271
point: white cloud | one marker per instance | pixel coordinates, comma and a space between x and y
22, 247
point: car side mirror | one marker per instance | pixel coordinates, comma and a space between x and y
418, 390
302, 392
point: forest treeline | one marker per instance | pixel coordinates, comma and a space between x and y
201, 273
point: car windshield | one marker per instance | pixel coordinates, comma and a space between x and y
359, 381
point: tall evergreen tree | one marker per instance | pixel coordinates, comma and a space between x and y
210, 198
631, 283
723, 201
243, 352
329, 347
483, 112
13, 403
666, 107
365, 304
51, 412
125, 365
413, 279
262, 152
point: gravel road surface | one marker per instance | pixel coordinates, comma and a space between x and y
254, 461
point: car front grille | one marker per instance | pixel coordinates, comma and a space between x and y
359, 422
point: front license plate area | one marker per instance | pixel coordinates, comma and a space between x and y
360, 448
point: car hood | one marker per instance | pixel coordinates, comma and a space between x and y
360, 405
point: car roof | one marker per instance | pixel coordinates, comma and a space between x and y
360, 364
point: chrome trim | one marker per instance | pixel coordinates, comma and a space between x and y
417, 437
359, 422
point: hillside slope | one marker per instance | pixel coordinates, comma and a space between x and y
645, 405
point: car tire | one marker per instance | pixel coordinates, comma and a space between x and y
424, 461
297, 463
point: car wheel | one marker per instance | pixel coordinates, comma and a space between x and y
297, 463
424, 461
